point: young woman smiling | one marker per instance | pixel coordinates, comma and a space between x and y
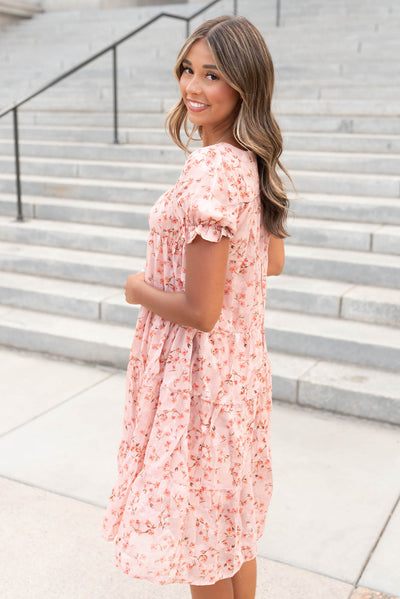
194, 464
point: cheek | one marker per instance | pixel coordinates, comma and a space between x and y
227, 97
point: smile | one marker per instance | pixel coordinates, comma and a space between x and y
196, 106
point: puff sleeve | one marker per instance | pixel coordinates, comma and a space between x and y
209, 208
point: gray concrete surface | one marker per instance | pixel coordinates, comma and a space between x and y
332, 530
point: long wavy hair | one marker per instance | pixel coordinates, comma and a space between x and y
243, 59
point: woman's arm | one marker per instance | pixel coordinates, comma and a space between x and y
276, 256
199, 306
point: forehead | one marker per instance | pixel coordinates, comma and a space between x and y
200, 52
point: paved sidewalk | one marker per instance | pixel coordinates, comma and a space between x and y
332, 532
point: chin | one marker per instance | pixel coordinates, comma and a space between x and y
194, 120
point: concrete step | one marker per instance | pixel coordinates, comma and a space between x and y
62, 121
328, 338
96, 238
56, 296
346, 123
121, 184
337, 107
347, 208
342, 142
345, 388
85, 189
80, 211
328, 207
338, 160
96, 169
340, 183
153, 145
310, 206
344, 235
365, 268
377, 305
163, 153
97, 134
67, 337
344, 162
97, 85
103, 100
338, 387
385, 168
70, 264
354, 92
132, 240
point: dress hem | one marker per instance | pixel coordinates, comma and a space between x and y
176, 580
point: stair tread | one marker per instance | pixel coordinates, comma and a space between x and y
333, 328
32, 251
53, 286
91, 182
328, 373
358, 257
307, 196
66, 326
370, 258
341, 174
70, 227
99, 330
331, 287
75, 203
357, 378
293, 221
47, 284
286, 134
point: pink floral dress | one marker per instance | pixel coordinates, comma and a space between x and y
194, 465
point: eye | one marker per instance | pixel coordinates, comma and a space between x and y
212, 76
186, 70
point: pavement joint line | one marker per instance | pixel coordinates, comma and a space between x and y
64, 401
369, 556
23, 482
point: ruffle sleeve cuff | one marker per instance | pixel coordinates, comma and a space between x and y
210, 210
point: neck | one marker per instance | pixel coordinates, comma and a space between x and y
211, 138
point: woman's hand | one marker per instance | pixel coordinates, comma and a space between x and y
132, 285
200, 304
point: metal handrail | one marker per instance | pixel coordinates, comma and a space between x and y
111, 48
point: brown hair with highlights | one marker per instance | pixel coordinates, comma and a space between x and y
243, 59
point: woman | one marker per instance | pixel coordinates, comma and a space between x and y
194, 463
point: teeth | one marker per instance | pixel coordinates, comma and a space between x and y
196, 104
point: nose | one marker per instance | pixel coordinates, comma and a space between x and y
193, 85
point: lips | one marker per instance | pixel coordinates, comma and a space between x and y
196, 106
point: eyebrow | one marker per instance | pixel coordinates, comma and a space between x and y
205, 66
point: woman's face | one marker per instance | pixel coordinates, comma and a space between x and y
211, 102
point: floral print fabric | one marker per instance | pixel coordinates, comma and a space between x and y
194, 465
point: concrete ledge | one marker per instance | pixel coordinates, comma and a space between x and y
17, 8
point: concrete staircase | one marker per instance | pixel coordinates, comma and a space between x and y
333, 316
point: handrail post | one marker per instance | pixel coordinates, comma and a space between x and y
187, 27
278, 13
20, 217
115, 94
235, 7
